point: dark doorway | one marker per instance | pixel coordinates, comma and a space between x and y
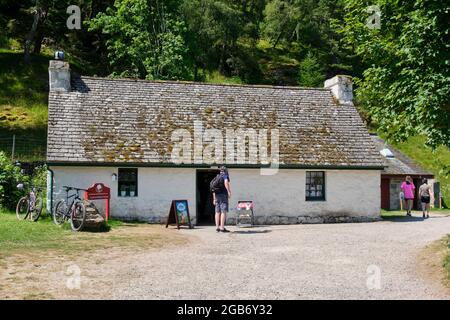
417, 205
205, 207
385, 196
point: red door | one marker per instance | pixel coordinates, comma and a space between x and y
385, 199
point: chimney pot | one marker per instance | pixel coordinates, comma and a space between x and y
59, 55
341, 88
59, 76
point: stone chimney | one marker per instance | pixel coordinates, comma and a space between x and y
341, 88
59, 76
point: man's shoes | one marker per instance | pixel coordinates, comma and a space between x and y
218, 230
408, 214
224, 230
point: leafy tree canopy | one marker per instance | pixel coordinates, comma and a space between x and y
144, 40
406, 85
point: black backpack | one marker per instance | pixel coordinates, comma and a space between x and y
217, 184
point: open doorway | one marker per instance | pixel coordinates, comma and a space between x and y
205, 207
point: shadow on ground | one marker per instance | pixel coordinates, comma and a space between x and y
411, 219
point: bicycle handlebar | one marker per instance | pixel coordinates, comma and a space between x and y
67, 188
21, 186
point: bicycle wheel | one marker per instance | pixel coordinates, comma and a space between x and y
36, 209
77, 216
22, 208
59, 215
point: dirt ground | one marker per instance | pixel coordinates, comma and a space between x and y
54, 274
380, 260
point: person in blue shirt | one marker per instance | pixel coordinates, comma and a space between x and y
221, 198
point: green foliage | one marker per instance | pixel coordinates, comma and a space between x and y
214, 28
311, 73
39, 177
306, 26
406, 87
144, 40
10, 177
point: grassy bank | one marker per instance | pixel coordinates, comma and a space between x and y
446, 263
23, 105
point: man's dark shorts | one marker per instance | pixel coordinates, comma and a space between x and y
221, 203
425, 199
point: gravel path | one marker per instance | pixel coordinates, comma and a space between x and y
323, 261
328, 261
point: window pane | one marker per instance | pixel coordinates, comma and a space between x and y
127, 182
315, 185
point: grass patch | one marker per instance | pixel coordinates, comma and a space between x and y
218, 78
25, 237
446, 263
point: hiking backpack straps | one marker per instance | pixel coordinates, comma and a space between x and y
217, 183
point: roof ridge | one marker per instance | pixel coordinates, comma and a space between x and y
267, 86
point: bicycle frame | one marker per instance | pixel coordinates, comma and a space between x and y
76, 198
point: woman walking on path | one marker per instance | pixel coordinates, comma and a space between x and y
425, 196
408, 189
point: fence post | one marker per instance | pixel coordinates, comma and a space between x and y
13, 147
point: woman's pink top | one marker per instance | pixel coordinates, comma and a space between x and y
408, 190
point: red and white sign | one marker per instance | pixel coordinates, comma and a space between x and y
98, 191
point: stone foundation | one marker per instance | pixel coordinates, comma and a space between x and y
284, 220
278, 220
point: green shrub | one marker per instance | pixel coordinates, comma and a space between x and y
39, 178
10, 177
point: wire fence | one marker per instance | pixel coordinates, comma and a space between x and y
20, 148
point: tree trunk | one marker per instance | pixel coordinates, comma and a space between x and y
30, 37
39, 37
38, 43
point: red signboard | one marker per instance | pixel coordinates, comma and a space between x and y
98, 191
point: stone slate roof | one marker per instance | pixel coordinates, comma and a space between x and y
106, 120
400, 164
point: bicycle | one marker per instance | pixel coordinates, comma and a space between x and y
30, 205
75, 212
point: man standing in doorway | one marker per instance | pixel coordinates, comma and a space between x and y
221, 190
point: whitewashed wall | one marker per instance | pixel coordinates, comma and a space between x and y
351, 195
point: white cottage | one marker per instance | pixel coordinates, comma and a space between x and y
303, 155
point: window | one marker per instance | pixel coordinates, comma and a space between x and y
128, 183
315, 186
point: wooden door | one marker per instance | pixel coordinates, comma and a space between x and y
385, 196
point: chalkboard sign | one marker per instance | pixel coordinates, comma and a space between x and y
179, 214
